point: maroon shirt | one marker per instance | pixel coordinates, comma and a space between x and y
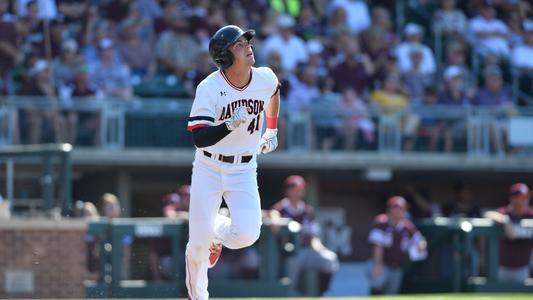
303, 214
394, 239
515, 253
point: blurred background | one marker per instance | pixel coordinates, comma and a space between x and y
424, 99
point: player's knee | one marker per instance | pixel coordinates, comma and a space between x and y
248, 235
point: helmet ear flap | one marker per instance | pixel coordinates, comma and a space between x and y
225, 59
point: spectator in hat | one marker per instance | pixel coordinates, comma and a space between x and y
312, 254
517, 243
495, 96
293, 50
416, 81
414, 35
393, 239
454, 97
108, 75
488, 34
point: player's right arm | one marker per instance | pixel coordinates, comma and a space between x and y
202, 118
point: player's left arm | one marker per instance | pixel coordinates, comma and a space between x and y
269, 140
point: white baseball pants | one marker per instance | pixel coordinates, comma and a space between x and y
212, 180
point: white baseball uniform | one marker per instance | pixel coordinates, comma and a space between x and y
226, 170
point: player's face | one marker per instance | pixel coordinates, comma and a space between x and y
243, 52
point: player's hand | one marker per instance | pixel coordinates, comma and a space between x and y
240, 115
269, 141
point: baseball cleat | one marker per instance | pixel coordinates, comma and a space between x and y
216, 250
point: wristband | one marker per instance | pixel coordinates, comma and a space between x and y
272, 123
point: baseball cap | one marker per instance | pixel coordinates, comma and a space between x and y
106, 43
413, 28
295, 181
519, 190
452, 71
285, 21
314, 47
396, 201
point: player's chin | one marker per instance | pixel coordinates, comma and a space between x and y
251, 59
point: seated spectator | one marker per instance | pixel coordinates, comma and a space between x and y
456, 56
308, 25
392, 100
176, 49
357, 13
326, 116
356, 119
110, 76
337, 23
138, 52
303, 88
521, 59
456, 98
37, 83
414, 35
381, 20
449, 20
164, 21
488, 34
494, 96
393, 239
517, 244
88, 126
315, 48
66, 63
312, 254
293, 47
352, 69
415, 81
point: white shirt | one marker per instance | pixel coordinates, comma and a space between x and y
496, 45
292, 51
356, 13
215, 100
403, 52
522, 56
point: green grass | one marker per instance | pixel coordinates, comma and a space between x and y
472, 296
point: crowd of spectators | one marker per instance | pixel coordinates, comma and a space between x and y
352, 50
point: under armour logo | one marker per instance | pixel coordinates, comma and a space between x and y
222, 93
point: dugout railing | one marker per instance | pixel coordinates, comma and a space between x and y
106, 241
463, 257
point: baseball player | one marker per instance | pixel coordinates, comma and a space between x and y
393, 239
226, 122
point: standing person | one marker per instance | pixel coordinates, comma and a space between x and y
516, 246
226, 123
392, 238
312, 255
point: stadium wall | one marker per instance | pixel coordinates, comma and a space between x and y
42, 259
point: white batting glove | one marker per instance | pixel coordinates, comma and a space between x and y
240, 115
269, 141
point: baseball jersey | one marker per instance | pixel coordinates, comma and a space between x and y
215, 100
303, 214
515, 253
395, 239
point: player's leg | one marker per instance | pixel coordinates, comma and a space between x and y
242, 197
206, 197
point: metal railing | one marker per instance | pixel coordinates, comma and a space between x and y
153, 123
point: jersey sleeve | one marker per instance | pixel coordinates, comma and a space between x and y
203, 109
271, 78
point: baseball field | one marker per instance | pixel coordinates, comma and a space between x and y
417, 297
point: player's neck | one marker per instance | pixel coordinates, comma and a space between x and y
238, 76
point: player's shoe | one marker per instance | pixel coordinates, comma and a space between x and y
216, 250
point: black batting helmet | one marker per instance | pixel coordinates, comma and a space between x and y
222, 39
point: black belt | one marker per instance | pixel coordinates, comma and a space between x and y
229, 159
